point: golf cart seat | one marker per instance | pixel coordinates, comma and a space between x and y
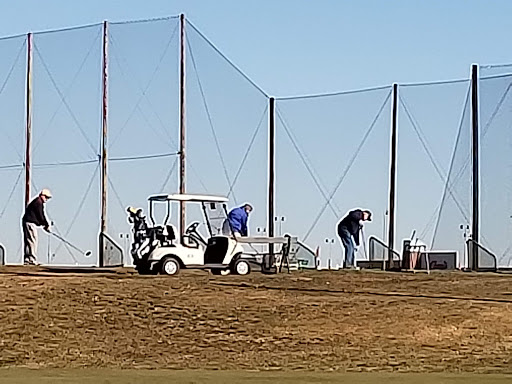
165, 235
171, 235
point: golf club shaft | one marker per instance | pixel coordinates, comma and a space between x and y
67, 242
49, 248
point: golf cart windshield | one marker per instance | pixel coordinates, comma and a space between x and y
215, 215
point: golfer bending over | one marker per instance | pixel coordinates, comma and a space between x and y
34, 217
349, 228
236, 222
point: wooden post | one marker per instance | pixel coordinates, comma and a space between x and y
182, 123
28, 126
271, 176
104, 141
392, 177
475, 164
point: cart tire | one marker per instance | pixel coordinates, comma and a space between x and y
241, 267
170, 266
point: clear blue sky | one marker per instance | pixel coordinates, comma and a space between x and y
287, 48
299, 46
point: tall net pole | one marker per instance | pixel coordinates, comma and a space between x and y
475, 165
182, 121
104, 162
392, 176
104, 144
28, 126
271, 176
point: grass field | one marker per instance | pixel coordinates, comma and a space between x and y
93, 376
321, 326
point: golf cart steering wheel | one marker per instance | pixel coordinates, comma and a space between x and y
192, 227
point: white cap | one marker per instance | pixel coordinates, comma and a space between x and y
46, 192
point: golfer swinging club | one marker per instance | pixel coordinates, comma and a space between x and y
34, 217
349, 228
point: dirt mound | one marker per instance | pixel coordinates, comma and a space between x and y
317, 321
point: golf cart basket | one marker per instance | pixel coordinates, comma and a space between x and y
144, 237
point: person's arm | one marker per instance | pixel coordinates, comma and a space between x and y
41, 217
234, 221
45, 220
228, 223
357, 217
356, 238
244, 226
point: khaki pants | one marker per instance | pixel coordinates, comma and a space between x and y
29, 242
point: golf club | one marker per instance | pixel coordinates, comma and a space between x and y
412, 236
86, 253
49, 244
49, 248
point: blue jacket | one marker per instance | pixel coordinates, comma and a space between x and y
237, 218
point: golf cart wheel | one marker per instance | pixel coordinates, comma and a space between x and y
170, 266
220, 272
241, 267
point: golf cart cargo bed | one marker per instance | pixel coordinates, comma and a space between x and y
262, 240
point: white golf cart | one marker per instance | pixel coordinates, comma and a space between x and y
158, 248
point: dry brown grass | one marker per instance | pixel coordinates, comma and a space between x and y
358, 321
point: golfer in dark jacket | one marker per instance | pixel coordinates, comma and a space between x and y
348, 229
34, 217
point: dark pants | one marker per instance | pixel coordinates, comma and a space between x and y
348, 244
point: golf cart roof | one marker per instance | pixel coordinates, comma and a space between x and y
189, 197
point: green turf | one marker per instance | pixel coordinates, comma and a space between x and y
43, 376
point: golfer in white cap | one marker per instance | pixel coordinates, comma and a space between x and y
34, 217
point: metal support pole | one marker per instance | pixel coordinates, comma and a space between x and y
104, 145
475, 164
182, 122
104, 137
28, 126
271, 176
392, 177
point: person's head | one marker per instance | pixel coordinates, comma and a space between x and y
45, 194
367, 215
248, 208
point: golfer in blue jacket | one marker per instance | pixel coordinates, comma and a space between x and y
236, 222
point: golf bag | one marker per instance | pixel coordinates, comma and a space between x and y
146, 238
